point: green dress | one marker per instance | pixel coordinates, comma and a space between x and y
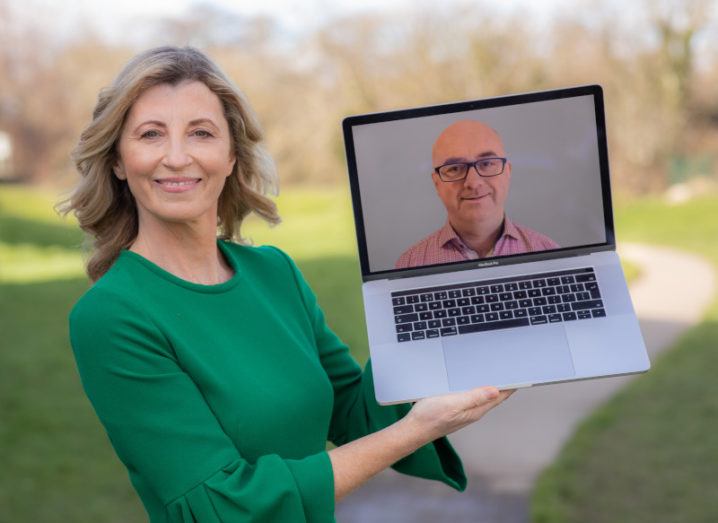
219, 399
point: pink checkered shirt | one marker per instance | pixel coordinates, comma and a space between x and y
445, 246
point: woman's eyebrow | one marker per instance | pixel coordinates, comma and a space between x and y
196, 121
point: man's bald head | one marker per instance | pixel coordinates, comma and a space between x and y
466, 135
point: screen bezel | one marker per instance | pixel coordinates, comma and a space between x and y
516, 99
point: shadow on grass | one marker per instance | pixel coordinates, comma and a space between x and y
15, 230
649, 454
58, 464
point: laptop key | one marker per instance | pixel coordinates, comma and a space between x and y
403, 309
432, 333
449, 303
448, 322
420, 307
497, 288
598, 313
554, 299
534, 311
586, 277
483, 308
453, 313
419, 325
520, 313
418, 335
524, 284
477, 318
595, 294
539, 283
462, 320
412, 299
468, 292
433, 305
592, 304
511, 287
481, 291
404, 327
567, 279
539, 301
468, 311
477, 300
425, 316
449, 331
553, 318
434, 324
563, 307
582, 296
398, 301
534, 293
583, 315
506, 324
406, 318
568, 316
441, 313
427, 297
505, 296
404, 336
440, 295
538, 320
492, 316
505, 315
553, 281
492, 298
497, 306
463, 302
549, 309
511, 304
455, 294
525, 303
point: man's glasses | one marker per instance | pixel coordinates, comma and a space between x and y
485, 167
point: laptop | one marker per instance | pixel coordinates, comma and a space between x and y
486, 241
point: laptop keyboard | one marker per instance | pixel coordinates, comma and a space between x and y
464, 308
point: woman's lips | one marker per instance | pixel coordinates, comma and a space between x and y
175, 185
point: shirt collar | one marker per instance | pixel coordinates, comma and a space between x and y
447, 234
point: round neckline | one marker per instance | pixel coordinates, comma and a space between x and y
197, 287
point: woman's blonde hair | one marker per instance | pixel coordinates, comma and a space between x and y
103, 204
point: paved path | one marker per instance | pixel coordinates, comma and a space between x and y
504, 452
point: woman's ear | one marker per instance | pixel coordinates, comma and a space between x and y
119, 170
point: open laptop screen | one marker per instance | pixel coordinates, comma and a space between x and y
495, 180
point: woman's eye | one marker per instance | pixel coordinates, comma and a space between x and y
150, 134
202, 133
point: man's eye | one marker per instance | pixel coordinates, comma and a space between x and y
452, 169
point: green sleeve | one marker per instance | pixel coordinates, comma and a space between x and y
167, 436
356, 412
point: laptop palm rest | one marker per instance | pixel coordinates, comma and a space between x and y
508, 357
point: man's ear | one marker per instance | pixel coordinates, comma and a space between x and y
435, 178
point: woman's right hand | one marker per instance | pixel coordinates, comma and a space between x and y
441, 415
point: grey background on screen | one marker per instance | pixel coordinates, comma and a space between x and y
555, 182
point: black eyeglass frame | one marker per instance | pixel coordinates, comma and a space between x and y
469, 165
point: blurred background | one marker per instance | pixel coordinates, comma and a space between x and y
304, 66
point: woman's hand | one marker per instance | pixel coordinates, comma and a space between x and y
441, 415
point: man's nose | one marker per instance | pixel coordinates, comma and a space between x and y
472, 177
177, 156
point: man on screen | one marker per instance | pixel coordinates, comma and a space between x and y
472, 177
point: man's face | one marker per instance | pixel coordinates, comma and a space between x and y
474, 199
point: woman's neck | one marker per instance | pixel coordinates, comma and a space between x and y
189, 252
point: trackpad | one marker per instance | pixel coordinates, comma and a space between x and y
508, 357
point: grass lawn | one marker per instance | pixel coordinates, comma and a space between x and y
651, 453
58, 465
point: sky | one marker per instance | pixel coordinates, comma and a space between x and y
114, 19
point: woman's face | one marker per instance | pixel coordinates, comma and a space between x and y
175, 153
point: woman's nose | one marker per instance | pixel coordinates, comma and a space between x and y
176, 156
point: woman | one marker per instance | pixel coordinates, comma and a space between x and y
209, 362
